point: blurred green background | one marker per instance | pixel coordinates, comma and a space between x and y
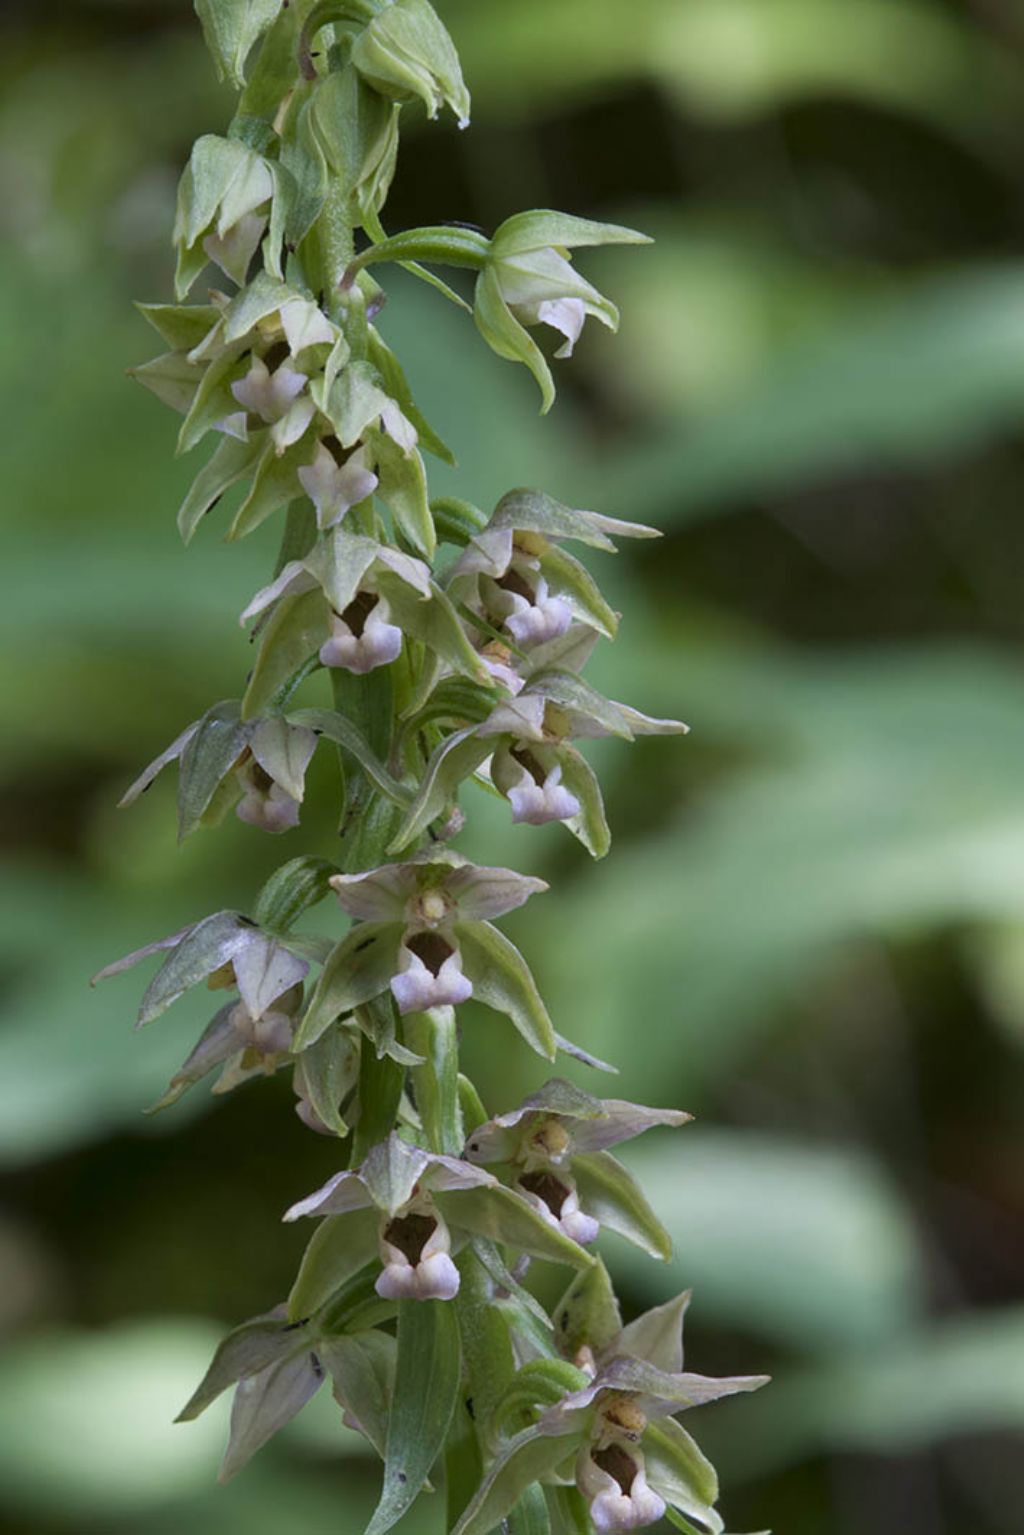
811, 930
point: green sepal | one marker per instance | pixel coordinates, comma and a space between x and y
524, 1460
244, 1352
504, 334
230, 462
534, 511
569, 577
290, 641
204, 949
502, 980
358, 970
230, 28
610, 1193
213, 399
434, 623
291, 890
544, 226
211, 753
588, 1315
428, 1368
340, 1246
172, 378
182, 326
471, 1105
362, 1368
498, 1214
680, 1471
356, 132
591, 825
403, 489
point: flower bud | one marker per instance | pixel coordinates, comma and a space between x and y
405, 52
223, 197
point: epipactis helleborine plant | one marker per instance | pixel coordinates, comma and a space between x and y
449, 644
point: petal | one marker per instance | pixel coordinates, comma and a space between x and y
379, 895
294, 577
483, 892
265, 970
345, 1191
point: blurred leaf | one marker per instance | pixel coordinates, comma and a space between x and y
912, 381
897, 807
964, 1376
803, 1242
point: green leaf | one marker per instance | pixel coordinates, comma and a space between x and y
339, 1248
335, 726
327, 1072
275, 485
244, 1352
530, 1514
610, 1193
231, 27
427, 1372
502, 980
362, 1367
524, 1460
454, 760
291, 890
358, 970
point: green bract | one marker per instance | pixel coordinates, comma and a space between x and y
423, 645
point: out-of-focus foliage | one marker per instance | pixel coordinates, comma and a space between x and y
813, 932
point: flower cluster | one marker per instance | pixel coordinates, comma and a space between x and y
434, 647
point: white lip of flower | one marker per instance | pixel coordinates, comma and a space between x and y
417, 1269
236, 425
537, 621
377, 642
437, 983
559, 1204
617, 1490
265, 804
269, 395
567, 315
333, 488
535, 804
